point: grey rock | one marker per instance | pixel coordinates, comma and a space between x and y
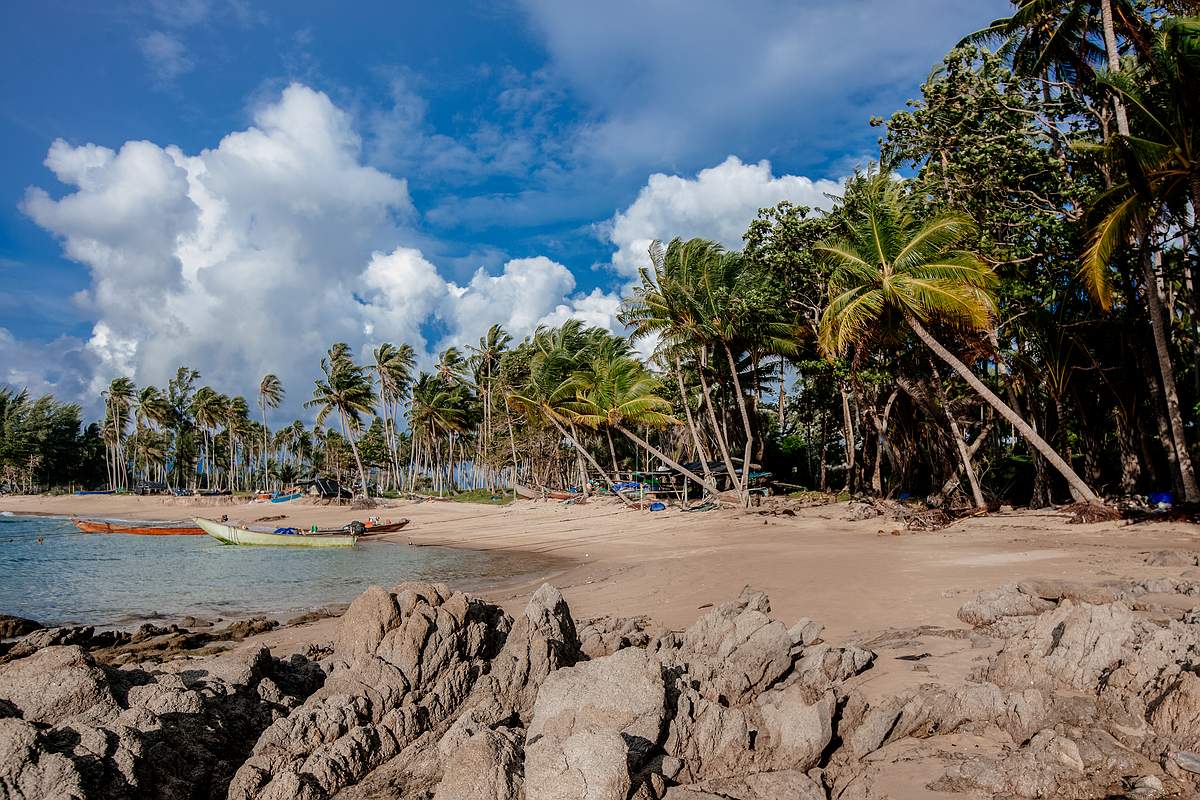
989, 607
56, 684
487, 766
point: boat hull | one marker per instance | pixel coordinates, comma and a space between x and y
285, 498
227, 534
105, 526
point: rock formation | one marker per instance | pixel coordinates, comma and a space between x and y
430, 694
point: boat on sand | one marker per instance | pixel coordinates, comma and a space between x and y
289, 537
139, 527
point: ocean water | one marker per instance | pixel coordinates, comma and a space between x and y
52, 573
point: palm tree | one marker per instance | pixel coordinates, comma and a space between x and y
893, 266
117, 399
208, 409
393, 369
613, 392
150, 407
1162, 169
346, 389
270, 393
486, 358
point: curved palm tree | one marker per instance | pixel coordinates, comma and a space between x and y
346, 389
895, 267
614, 392
270, 394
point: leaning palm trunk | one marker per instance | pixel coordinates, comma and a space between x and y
701, 452
1014, 419
362, 473
721, 443
633, 437
583, 451
744, 481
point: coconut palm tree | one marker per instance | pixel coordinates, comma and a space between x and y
393, 366
150, 408
895, 267
346, 389
270, 394
118, 398
1162, 173
208, 409
616, 392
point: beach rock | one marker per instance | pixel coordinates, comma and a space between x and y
403, 663
604, 636
1176, 715
1057, 590
486, 766
245, 628
12, 627
736, 651
28, 771
991, 606
585, 765
56, 684
790, 784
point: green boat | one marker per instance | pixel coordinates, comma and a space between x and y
228, 534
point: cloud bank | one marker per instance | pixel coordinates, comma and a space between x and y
255, 255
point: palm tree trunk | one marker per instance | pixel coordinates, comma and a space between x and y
721, 443
848, 434
963, 451
649, 448
612, 452
362, 473
512, 442
1114, 61
1014, 419
744, 481
701, 451
1158, 324
580, 449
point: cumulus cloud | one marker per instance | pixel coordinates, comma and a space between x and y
257, 254
717, 204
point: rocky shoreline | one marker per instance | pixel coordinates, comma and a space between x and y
1061, 690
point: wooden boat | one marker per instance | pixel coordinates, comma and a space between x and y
105, 491
370, 530
138, 528
283, 498
557, 494
228, 534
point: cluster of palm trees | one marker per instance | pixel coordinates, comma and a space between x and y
894, 344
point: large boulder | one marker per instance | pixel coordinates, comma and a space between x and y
593, 723
486, 766
404, 662
56, 684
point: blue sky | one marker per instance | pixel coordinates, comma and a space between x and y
234, 185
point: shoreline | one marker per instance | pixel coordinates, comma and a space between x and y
858, 576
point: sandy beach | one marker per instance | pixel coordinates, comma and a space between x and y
857, 577
895, 667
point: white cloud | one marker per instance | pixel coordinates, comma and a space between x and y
166, 54
257, 254
717, 204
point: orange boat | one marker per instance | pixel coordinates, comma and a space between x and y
180, 528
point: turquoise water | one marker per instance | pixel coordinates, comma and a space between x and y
52, 573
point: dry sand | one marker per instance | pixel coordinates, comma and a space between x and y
855, 577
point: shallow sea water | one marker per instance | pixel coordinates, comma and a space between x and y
52, 573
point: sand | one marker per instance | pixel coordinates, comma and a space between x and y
856, 577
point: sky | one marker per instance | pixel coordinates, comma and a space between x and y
235, 185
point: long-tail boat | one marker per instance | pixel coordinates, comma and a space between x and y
139, 527
287, 537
